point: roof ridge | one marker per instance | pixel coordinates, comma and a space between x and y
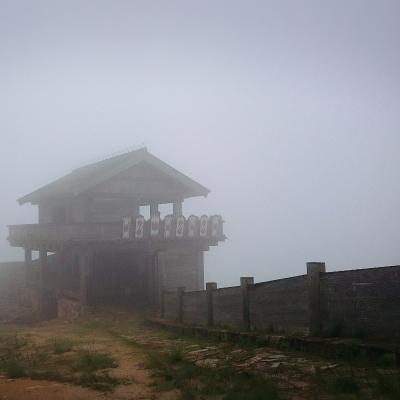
111, 156
84, 178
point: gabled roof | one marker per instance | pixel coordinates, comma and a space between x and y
85, 178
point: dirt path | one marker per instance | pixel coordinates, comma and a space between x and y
27, 389
130, 360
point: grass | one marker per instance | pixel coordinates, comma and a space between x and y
20, 358
172, 371
61, 346
12, 356
90, 361
252, 390
98, 381
357, 377
174, 354
345, 384
389, 386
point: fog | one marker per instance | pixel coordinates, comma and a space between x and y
287, 110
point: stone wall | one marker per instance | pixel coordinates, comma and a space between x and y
170, 305
12, 279
280, 305
364, 302
68, 308
194, 307
181, 267
358, 303
227, 307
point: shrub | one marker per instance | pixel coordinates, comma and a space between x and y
61, 346
90, 361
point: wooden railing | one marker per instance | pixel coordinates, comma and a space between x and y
61, 233
136, 229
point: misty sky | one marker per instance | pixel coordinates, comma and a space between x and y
287, 110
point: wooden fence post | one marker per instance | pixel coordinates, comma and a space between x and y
245, 281
314, 270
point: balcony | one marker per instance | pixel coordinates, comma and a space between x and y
208, 230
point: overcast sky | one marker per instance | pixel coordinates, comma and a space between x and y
287, 110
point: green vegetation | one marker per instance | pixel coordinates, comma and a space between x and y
388, 385
20, 358
174, 354
84, 356
172, 371
61, 346
90, 361
13, 359
101, 381
345, 384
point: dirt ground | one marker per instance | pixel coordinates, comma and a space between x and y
130, 367
124, 336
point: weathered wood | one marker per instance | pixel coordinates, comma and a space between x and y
28, 264
43, 267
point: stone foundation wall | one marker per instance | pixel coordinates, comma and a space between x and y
68, 309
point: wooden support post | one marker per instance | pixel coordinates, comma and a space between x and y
200, 271
28, 264
136, 207
177, 208
158, 283
85, 261
152, 296
153, 209
314, 270
210, 287
43, 267
245, 282
180, 293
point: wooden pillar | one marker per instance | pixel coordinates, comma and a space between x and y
136, 207
210, 287
85, 261
177, 208
245, 282
153, 209
43, 268
200, 270
158, 277
28, 264
314, 270
150, 263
